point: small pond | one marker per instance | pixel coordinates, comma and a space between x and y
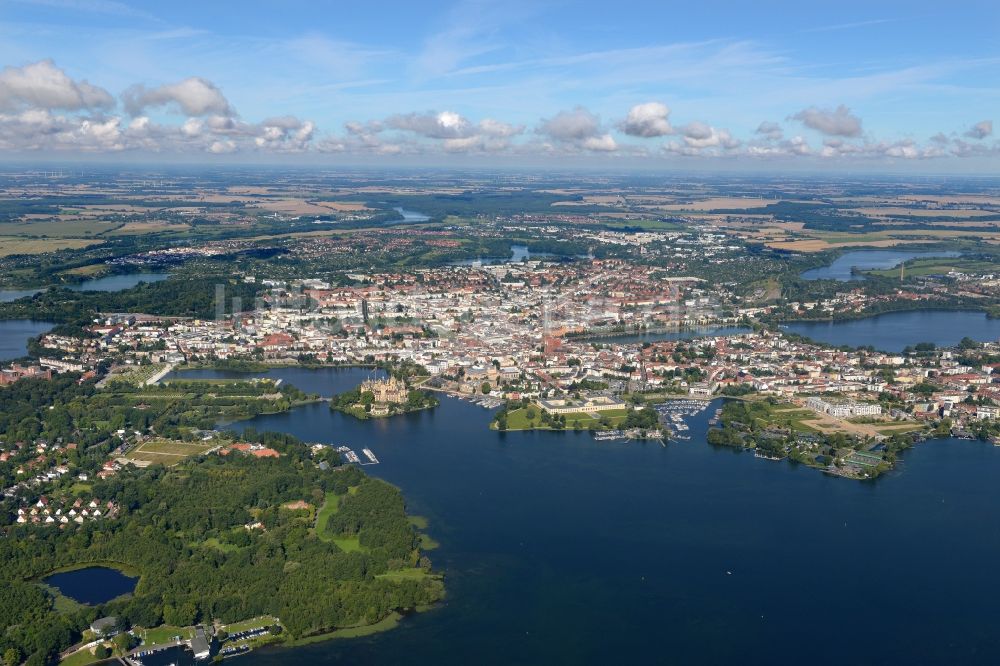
93, 585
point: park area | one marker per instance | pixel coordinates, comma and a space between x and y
167, 452
530, 418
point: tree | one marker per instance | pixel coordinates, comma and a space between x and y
967, 343
485, 388
12, 657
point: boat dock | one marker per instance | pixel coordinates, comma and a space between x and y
350, 456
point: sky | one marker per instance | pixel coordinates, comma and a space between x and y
763, 85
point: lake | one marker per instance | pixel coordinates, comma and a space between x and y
119, 282
324, 381
8, 295
106, 283
840, 269
412, 215
561, 549
895, 330
519, 253
14, 334
93, 585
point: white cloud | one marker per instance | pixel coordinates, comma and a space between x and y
579, 129
193, 96
647, 120
43, 130
455, 132
770, 131
603, 143
838, 122
443, 125
698, 135
222, 147
980, 130
42, 85
575, 125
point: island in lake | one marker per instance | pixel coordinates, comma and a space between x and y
378, 398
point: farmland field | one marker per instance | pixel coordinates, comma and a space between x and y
10, 245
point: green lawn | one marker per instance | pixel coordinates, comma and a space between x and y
213, 542
349, 544
80, 658
324, 514
518, 419
908, 427
165, 634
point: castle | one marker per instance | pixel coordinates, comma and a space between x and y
386, 391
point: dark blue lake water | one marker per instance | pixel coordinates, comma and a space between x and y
560, 549
324, 381
897, 330
840, 269
119, 282
14, 334
93, 585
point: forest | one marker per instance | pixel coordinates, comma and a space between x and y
193, 297
213, 539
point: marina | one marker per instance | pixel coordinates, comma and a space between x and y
674, 415
350, 456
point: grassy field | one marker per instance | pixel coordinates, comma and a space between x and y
901, 428
168, 451
136, 375
795, 417
349, 544
10, 245
92, 269
324, 514
937, 266
165, 634
213, 542
57, 228
132, 228
518, 419
80, 658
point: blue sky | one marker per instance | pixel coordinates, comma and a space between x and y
842, 84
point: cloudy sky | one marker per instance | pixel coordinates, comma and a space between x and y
848, 85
